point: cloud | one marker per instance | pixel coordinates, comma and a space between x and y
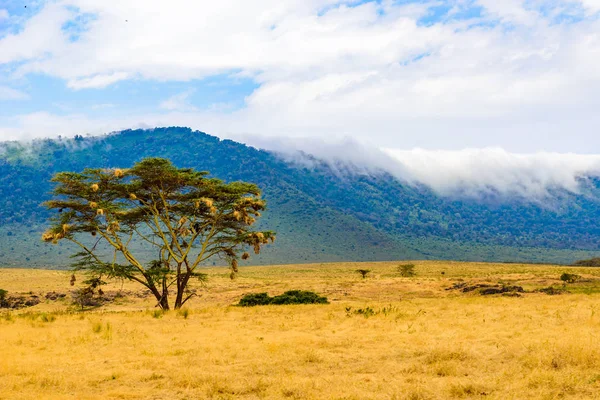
178, 102
468, 172
4, 14
485, 73
97, 81
494, 170
7, 93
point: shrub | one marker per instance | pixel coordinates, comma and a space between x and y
255, 299
569, 278
299, 297
289, 297
84, 298
407, 270
363, 272
3, 294
551, 290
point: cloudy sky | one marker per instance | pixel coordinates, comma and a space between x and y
446, 75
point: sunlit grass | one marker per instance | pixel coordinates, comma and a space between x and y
419, 341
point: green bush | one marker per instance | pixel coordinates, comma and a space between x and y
289, 297
569, 278
299, 297
407, 270
3, 294
255, 299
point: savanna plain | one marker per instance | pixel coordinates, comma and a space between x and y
384, 336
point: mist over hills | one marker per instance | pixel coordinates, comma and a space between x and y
323, 209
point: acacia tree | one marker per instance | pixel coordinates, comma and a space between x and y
179, 214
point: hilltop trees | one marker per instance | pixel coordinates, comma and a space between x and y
181, 215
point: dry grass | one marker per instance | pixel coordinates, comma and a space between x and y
421, 341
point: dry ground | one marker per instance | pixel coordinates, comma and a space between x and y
422, 342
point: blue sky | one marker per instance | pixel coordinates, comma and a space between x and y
518, 75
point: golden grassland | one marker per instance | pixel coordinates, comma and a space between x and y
421, 341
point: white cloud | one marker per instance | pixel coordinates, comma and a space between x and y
371, 71
4, 14
7, 93
475, 171
97, 81
178, 102
591, 5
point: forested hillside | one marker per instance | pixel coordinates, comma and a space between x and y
319, 214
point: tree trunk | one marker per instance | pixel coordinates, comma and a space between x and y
162, 298
181, 285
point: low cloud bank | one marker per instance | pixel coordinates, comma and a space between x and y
467, 172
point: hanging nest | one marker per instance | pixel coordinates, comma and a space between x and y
237, 215
113, 227
95, 187
93, 205
245, 256
48, 236
234, 265
119, 173
208, 202
132, 196
99, 211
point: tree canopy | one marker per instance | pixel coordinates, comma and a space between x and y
186, 217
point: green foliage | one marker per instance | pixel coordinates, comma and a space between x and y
3, 294
178, 213
407, 270
289, 297
255, 299
363, 272
569, 278
299, 297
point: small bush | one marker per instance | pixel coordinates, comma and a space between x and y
407, 270
569, 278
255, 299
3, 294
289, 297
551, 290
84, 298
363, 272
183, 312
299, 297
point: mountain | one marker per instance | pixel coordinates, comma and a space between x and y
321, 211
